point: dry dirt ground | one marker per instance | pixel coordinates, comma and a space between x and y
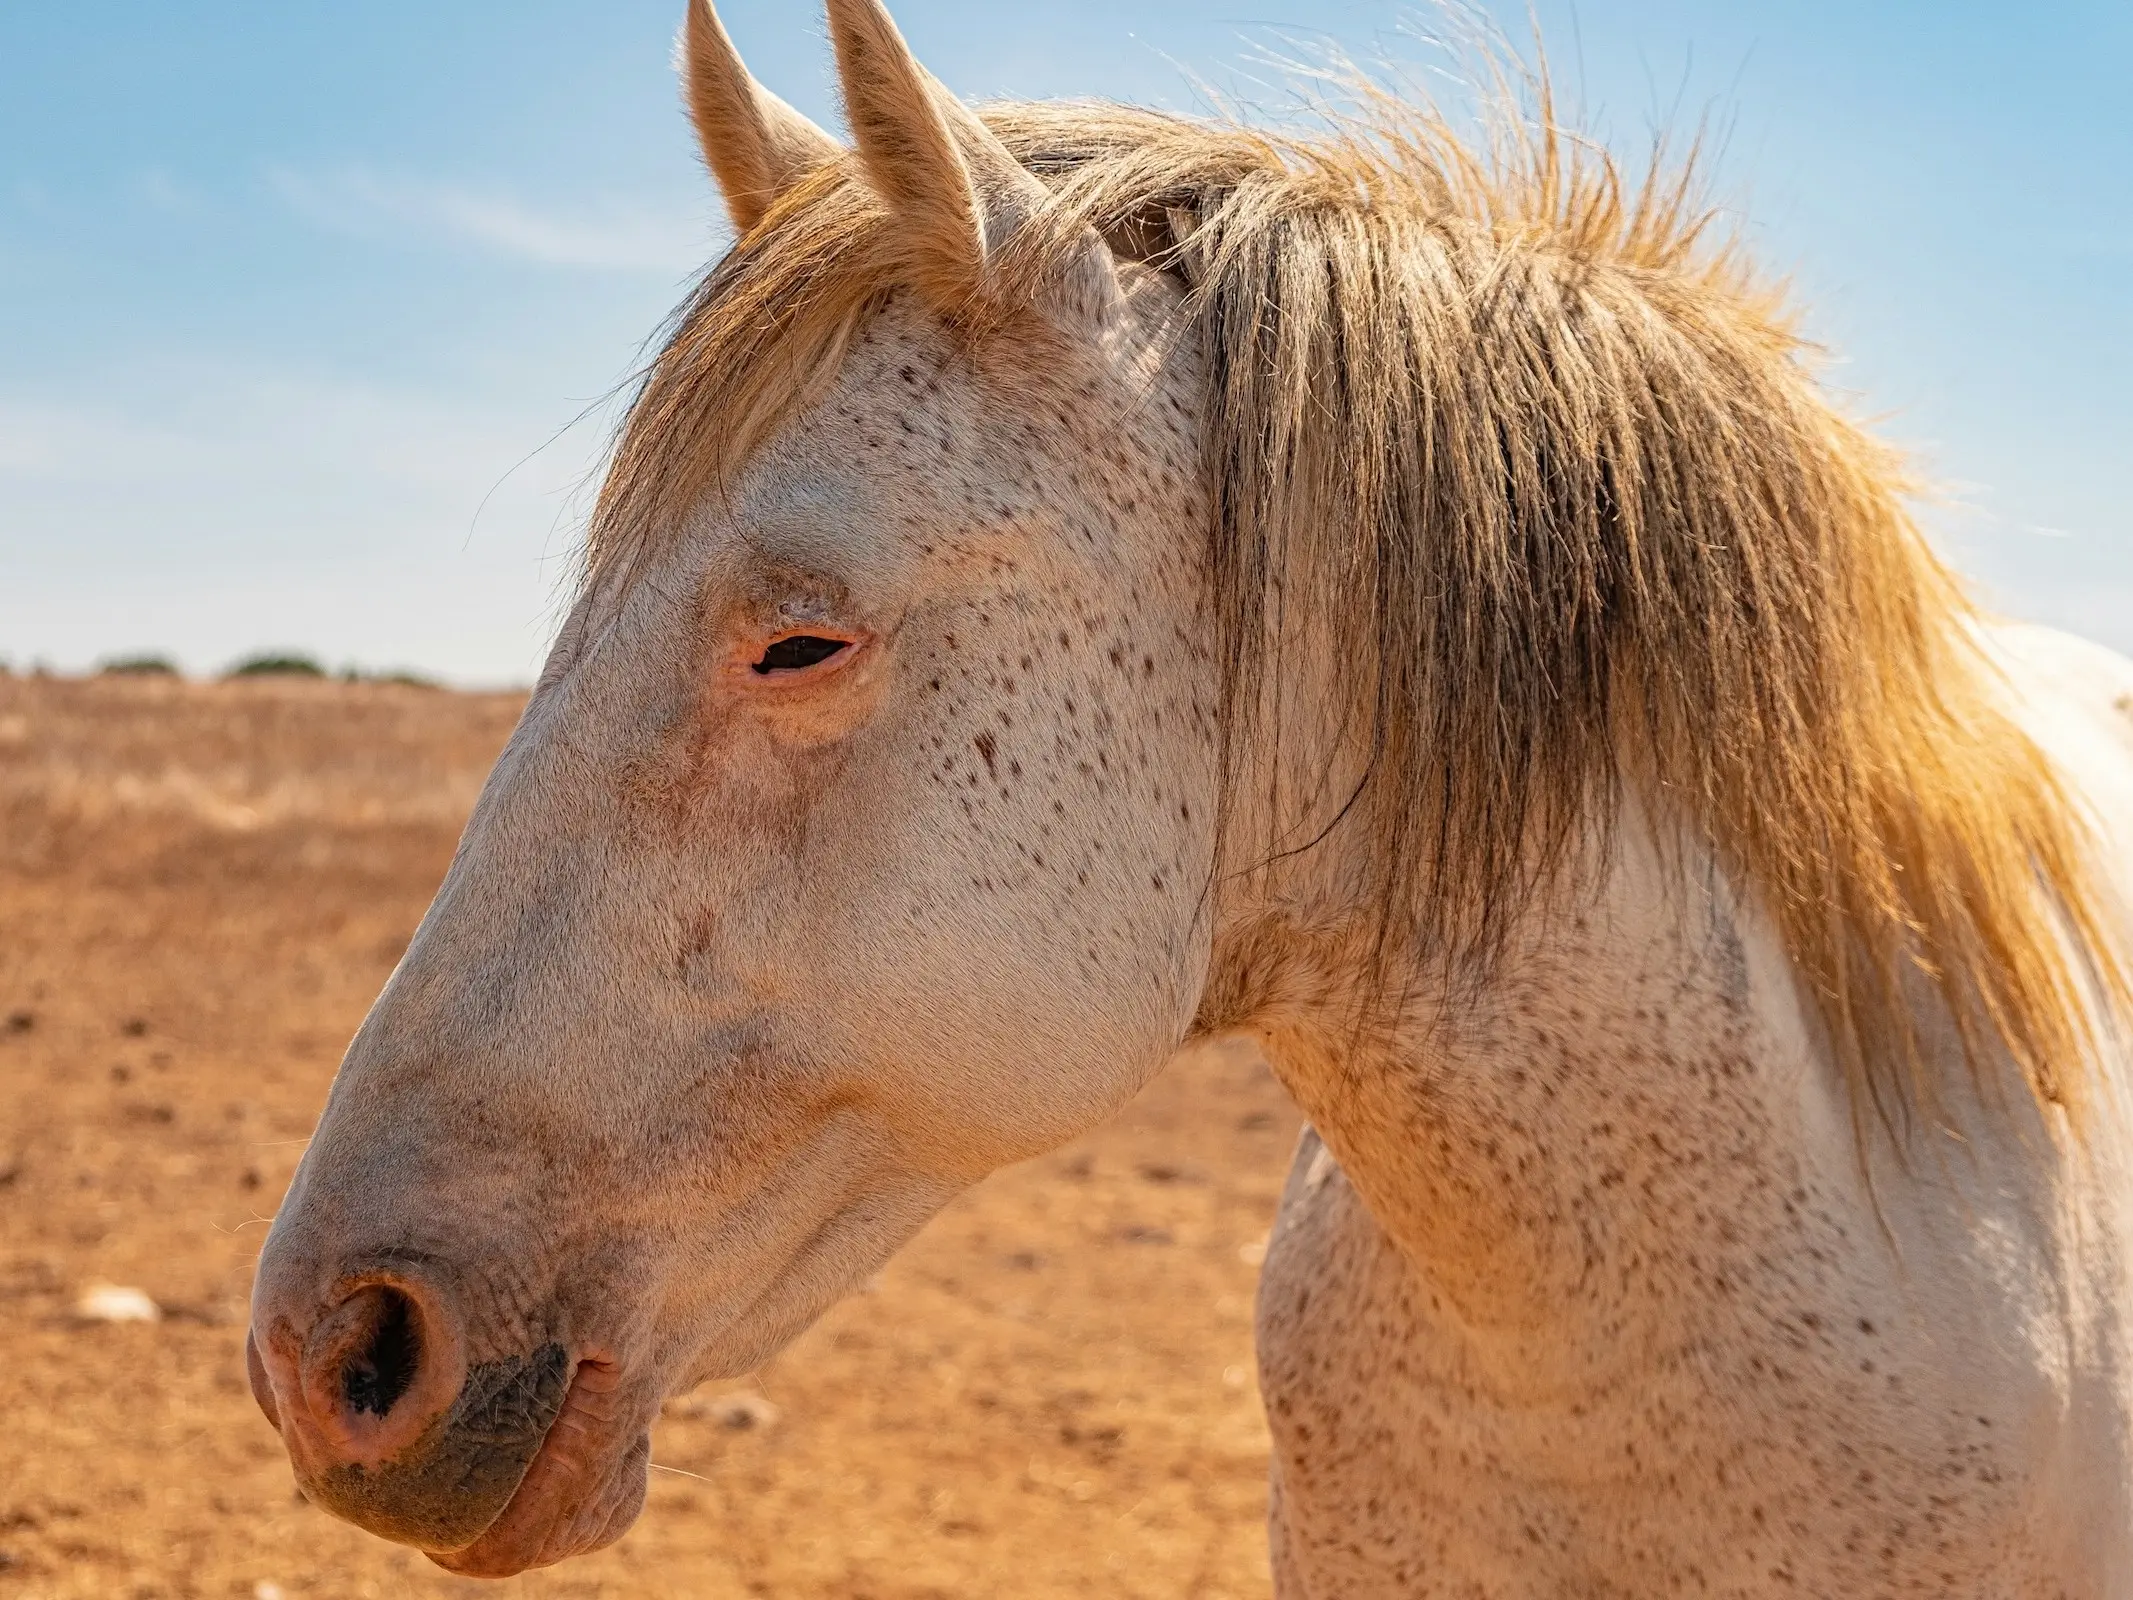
201, 887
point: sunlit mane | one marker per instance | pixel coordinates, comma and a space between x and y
1561, 463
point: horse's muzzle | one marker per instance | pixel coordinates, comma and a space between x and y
386, 1422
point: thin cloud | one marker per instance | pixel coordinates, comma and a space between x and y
369, 205
155, 188
230, 436
206, 509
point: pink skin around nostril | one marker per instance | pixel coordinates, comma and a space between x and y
255, 1371
366, 1379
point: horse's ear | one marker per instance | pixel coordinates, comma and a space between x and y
958, 192
754, 143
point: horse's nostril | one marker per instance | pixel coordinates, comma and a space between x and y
383, 1359
374, 1373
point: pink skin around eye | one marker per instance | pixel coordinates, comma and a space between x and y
809, 662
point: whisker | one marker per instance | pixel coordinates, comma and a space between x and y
661, 1466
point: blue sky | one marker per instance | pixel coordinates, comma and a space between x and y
307, 312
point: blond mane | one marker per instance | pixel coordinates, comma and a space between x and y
1557, 464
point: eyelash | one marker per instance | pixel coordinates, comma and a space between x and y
798, 652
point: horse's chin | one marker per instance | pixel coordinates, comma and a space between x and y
582, 1492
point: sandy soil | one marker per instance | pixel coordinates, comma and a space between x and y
201, 888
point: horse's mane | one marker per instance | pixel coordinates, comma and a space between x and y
1554, 464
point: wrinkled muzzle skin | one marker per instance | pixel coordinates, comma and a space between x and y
739, 976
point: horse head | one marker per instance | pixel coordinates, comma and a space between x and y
853, 843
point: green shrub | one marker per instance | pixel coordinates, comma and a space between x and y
149, 666
400, 676
277, 664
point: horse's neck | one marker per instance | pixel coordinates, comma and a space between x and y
1639, 1082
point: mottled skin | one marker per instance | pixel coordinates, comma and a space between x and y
735, 981
1594, 1301
1577, 1288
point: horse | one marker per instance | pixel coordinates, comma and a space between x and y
1077, 580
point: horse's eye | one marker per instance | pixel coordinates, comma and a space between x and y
799, 651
